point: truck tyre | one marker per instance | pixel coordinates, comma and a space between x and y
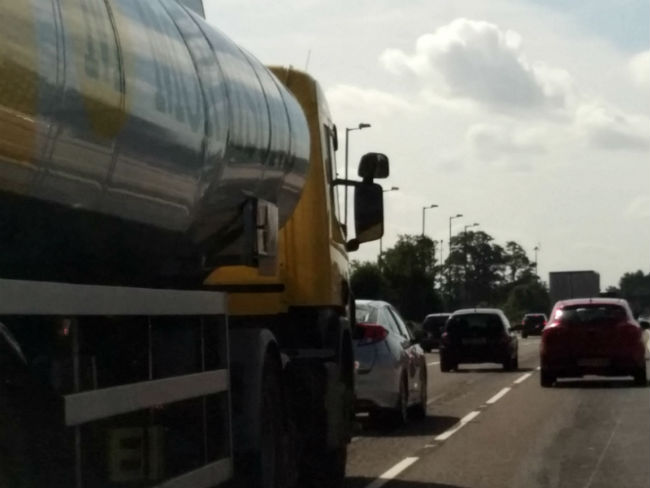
268, 468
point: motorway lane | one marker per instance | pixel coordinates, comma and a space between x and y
585, 434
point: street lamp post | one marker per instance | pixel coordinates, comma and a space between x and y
536, 248
381, 248
362, 125
457, 216
424, 209
475, 224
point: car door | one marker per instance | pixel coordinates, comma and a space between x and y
413, 354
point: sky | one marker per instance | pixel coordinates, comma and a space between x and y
529, 117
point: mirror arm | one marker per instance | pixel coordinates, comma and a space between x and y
343, 182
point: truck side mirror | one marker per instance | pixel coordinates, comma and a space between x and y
373, 166
368, 212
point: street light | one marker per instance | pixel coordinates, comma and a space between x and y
475, 224
536, 248
424, 209
362, 125
457, 216
381, 249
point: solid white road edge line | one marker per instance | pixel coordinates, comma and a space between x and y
464, 421
522, 378
433, 363
498, 396
392, 472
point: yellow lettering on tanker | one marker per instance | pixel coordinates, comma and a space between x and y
93, 27
18, 82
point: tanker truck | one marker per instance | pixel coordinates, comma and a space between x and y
175, 307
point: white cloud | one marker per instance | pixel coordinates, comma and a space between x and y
369, 101
640, 68
609, 129
480, 61
639, 207
505, 147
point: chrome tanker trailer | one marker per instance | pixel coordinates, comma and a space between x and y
174, 299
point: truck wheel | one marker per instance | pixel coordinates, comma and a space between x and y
271, 468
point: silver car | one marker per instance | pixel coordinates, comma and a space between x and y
391, 366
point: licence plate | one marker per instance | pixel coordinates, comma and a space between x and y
593, 362
475, 341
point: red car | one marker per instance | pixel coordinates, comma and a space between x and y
592, 336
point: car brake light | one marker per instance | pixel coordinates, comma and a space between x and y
372, 333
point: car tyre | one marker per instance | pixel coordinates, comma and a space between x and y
400, 412
546, 379
641, 377
420, 410
524, 335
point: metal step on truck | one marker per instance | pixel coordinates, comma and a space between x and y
175, 308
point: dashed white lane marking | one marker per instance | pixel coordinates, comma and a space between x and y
433, 363
392, 472
462, 423
522, 378
498, 396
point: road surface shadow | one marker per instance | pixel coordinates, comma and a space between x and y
597, 383
362, 482
431, 425
469, 369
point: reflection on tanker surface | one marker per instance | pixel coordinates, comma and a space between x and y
138, 143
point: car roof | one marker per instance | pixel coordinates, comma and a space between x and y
431, 315
466, 311
591, 301
370, 303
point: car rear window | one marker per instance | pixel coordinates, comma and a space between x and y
365, 313
591, 314
435, 322
534, 319
479, 324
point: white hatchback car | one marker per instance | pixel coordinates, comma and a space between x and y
391, 366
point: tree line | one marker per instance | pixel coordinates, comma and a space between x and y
477, 272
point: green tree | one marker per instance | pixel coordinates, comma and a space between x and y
475, 269
367, 281
635, 288
409, 268
529, 297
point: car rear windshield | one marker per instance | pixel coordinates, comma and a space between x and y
431, 323
534, 319
591, 314
365, 313
479, 324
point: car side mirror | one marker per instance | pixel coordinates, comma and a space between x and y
419, 335
373, 166
368, 212
645, 324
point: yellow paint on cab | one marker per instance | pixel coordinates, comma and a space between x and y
312, 262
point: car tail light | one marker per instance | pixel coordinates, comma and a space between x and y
371, 333
629, 333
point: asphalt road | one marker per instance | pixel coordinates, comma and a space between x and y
486, 428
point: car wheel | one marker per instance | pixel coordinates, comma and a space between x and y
400, 413
420, 410
641, 377
524, 335
508, 364
515, 363
546, 379
445, 365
